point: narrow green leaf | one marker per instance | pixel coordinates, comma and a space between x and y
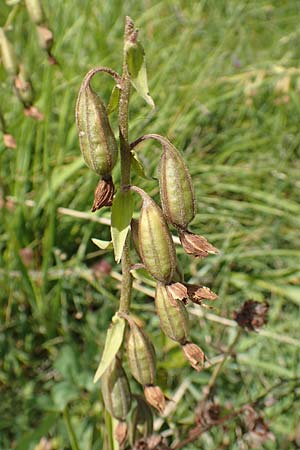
104, 245
137, 70
113, 341
114, 100
138, 166
31, 438
121, 215
58, 178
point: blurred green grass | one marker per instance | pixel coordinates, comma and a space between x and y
225, 79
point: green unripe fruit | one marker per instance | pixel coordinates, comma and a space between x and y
8, 56
35, 11
141, 355
176, 189
115, 390
172, 314
97, 141
156, 246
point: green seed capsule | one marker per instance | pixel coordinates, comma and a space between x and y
172, 314
141, 355
155, 241
97, 141
115, 390
35, 11
8, 54
176, 189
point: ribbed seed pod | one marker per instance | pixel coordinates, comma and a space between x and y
172, 315
115, 390
35, 11
141, 355
8, 56
97, 141
135, 236
176, 189
155, 241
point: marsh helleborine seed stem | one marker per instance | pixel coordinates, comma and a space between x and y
125, 157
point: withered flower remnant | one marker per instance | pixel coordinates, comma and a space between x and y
155, 397
104, 192
252, 316
194, 355
196, 245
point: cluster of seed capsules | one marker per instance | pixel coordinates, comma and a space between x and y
15, 69
154, 245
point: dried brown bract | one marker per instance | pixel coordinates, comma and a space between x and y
104, 193
196, 245
252, 316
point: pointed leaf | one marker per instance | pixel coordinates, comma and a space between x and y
104, 245
138, 166
114, 100
137, 70
113, 342
121, 215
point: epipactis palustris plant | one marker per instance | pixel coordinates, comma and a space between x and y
150, 238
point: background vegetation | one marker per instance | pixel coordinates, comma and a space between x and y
225, 79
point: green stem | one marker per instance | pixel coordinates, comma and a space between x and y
125, 157
219, 367
70, 429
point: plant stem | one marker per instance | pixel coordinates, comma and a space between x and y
70, 429
125, 156
219, 367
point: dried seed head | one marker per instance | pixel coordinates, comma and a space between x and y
176, 189
141, 355
172, 315
35, 11
252, 316
196, 245
115, 390
198, 293
8, 56
155, 241
194, 355
155, 397
121, 433
97, 141
207, 413
104, 193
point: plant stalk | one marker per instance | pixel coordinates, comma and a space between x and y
125, 157
219, 367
